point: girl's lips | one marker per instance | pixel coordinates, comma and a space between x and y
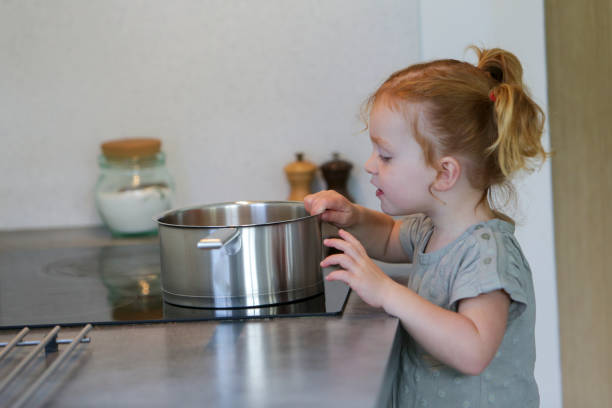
379, 192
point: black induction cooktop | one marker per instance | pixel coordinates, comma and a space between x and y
117, 284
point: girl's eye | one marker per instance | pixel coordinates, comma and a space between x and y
385, 159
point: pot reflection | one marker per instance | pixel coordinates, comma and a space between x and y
312, 305
132, 280
239, 362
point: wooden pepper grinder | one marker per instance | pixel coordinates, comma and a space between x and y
336, 173
300, 174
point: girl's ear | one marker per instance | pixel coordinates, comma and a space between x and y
448, 174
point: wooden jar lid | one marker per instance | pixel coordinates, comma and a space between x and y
126, 148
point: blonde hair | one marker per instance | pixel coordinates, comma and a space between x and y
481, 113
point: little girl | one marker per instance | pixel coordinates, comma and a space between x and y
447, 137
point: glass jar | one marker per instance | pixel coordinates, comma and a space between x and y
134, 186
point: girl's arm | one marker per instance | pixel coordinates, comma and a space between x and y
466, 340
378, 232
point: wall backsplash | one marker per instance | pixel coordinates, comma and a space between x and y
233, 90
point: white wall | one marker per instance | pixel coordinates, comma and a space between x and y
233, 89
447, 28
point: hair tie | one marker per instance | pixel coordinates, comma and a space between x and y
492, 97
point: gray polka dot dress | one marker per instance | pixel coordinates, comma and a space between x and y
486, 257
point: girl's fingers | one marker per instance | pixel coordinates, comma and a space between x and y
348, 237
338, 259
322, 201
315, 204
337, 218
308, 200
348, 244
331, 206
342, 245
339, 275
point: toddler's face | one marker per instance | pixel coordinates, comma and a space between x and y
397, 164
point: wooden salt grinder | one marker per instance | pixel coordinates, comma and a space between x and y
300, 174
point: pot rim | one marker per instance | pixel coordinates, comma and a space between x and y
182, 209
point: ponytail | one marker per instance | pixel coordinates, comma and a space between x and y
520, 121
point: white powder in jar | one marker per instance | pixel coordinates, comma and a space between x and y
131, 211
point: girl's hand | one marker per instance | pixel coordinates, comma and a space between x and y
333, 207
359, 271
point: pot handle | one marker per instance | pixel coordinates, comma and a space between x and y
218, 238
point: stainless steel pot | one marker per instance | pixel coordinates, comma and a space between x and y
240, 254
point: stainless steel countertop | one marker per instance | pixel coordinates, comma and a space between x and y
306, 361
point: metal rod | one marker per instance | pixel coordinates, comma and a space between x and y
29, 357
36, 342
32, 389
14, 342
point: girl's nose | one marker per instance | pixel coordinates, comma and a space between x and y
370, 164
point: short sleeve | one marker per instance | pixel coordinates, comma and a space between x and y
493, 261
412, 231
